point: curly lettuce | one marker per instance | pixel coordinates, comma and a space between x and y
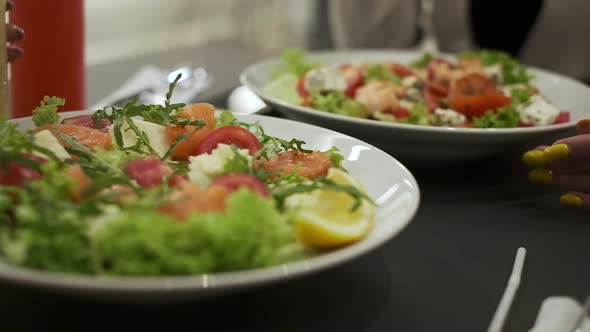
249, 233
512, 70
337, 102
46, 113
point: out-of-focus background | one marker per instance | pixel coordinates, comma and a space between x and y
145, 26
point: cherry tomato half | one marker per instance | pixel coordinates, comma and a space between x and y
231, 135
478, 105
148, 171
235, 181
86, 121
401, 70
563, 117
301, 90
354, 79
16, 174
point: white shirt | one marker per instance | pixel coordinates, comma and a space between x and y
558, 41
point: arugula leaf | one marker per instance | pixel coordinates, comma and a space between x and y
422, 61
282, 192
380, 72
335, 156
277, 144
46, 113
237, 164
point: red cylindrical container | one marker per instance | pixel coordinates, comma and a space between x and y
53, 61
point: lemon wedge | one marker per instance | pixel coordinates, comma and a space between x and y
324, 218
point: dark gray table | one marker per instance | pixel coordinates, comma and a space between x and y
445, 272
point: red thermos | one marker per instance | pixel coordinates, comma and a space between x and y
53, 61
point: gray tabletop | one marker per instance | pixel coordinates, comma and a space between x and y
445, 272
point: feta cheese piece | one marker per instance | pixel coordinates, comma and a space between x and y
205, 167
325, 79
449, 117
155, 132
405, 104
538, 112
495, 71
409, 81
47, 140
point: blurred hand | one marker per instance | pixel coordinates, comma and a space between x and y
13, 34
565, 164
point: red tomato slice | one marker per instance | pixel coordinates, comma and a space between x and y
401, 70
235, 181
432, 99
86, 121
478, 105
563, 117
16, 174
401, 113
354, 79
231, 135
523, 125
301, 90
437, 88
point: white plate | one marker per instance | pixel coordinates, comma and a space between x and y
425, 144
391, 185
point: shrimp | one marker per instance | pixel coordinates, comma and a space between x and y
189, 198
310, 165
379, 96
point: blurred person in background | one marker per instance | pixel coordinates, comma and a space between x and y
550, 34
13, 34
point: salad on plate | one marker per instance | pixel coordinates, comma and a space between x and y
173, 189
483, 89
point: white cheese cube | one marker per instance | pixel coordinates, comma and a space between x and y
495, 71
325, 79
538, 112
409, 81
449, 117
205, 167
47, 140
155, 132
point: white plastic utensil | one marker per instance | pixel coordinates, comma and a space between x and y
580, 321
506, 302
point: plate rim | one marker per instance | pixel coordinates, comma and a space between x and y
246, 73
214, 281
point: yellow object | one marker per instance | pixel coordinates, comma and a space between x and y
557, 151
571, 200
541, 175
534, 158
324, 218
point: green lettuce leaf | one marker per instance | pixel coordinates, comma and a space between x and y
337, 102
380, 72
46, 113
422, 61
512, 70
249, 233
